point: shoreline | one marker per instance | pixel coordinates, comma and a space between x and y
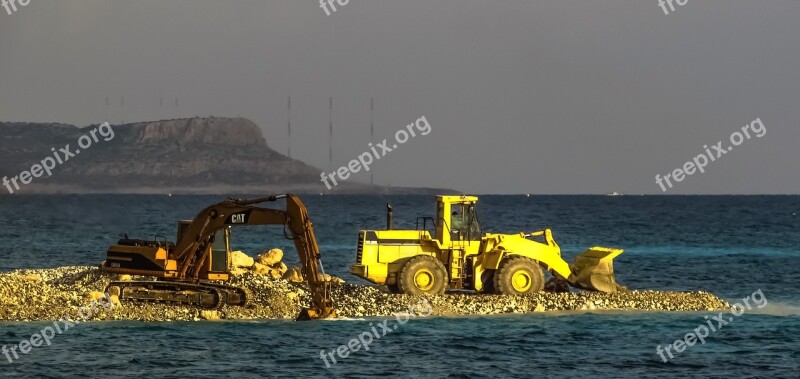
31, 295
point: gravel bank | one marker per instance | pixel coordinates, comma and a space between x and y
50, 294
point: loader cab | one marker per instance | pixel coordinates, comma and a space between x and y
457, 219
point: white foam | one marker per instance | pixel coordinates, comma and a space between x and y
344, 319
775, 309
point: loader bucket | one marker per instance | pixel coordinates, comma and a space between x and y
594, 270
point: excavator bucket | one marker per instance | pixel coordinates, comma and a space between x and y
594, 270
321, 303
307, 314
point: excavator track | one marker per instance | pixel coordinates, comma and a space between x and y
205, 295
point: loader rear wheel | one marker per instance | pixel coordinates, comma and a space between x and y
518, 276
422, 275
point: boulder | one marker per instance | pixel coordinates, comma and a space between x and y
331, 278
237, 271
260, 269
293, 275
240, 259
271, 257
115, 300
94, 295
326, 278
280, 267
209, 315
276, 274
114, 291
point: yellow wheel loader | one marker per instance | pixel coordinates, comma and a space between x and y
450, 252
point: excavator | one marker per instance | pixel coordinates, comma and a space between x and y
456, 255
186, 272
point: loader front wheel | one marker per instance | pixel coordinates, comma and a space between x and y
393, 288
423, 275
518, 276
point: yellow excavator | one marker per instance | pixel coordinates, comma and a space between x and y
185, 272
450, 252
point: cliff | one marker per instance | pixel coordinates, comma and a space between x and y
198, 155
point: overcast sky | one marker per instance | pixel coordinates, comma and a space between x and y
558, 96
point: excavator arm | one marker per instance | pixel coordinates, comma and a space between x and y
305, 243
191, 252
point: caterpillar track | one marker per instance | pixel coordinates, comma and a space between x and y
204, 295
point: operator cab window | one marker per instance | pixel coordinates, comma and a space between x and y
465, 222
219, 251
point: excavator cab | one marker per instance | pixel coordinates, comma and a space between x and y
220, 251
217, 268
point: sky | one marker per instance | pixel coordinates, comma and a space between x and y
522, 96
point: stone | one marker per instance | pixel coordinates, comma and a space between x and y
124, 278
326, 278
114, 291
240, 259
261, 269
237, 271
209, 315
115, 300
271, 257
293, 275
31, 278
94, 295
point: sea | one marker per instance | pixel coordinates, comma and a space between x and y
736, 247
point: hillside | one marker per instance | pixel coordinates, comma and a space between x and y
198, 156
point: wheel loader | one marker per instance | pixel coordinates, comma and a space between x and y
188, 272
449, 252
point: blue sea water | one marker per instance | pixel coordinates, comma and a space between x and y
729, 245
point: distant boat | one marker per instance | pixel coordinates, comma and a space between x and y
615, 193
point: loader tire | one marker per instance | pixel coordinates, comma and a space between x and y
393, 288
422, 275
487, 277
518, 275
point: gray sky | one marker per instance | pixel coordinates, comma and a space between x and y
559, 96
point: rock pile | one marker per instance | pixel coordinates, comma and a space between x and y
266, 263
50, 294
